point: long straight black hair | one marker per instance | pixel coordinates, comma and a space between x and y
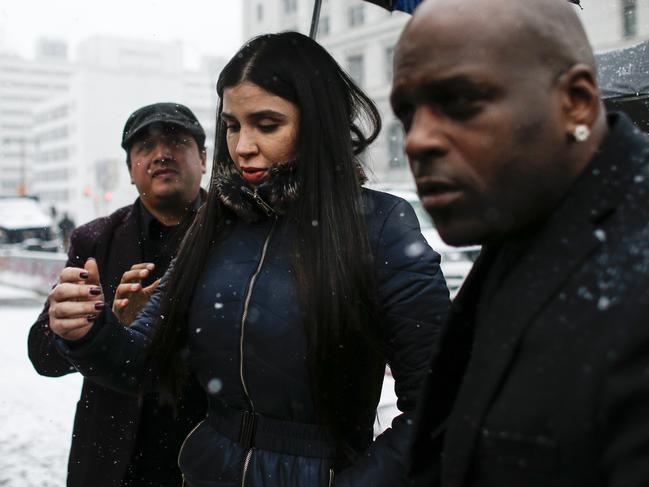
332, 259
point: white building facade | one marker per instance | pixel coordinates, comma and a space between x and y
361, 37
23, 85
77, 164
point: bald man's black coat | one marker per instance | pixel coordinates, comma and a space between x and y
553, 388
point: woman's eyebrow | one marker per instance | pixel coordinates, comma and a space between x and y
255, 116
262, 114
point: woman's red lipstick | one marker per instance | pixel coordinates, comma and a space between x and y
254, 174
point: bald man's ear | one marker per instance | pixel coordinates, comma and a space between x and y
581, 100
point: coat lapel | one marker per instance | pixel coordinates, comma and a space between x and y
448, 366
120, 252
535, 281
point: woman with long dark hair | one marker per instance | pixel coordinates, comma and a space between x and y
292, 290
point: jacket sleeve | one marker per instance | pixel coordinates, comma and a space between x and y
414, 302
114, 355
43, 354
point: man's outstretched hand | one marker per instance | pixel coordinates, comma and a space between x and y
130, 296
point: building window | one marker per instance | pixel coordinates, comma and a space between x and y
630, 18
260, 12
395, 146
290, 6
388, 59
356, 15
356, 68
323, 27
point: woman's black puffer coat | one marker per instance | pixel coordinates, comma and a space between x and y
247, 347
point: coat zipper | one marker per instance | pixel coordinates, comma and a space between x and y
244, 316
183, 446
246, 464
251, 285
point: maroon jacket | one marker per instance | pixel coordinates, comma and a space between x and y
107, 423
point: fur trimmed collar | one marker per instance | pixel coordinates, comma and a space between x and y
271, 197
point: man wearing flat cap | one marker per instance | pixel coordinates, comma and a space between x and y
121, 440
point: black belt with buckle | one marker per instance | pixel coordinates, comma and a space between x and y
250, 429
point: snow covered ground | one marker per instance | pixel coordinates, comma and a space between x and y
36, 412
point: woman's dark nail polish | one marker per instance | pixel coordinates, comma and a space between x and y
95, 291
83, 275
91, 317
99, 306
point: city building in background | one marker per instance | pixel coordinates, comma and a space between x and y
23, 84
61, 119
361, 37
65, 147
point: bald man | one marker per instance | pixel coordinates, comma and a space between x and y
541, 377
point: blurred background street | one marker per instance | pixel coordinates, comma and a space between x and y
35, 412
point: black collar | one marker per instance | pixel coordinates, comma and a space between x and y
148, 222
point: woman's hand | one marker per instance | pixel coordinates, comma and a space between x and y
75, 301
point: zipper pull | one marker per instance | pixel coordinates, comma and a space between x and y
259, 200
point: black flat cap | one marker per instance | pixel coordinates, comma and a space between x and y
163, 114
